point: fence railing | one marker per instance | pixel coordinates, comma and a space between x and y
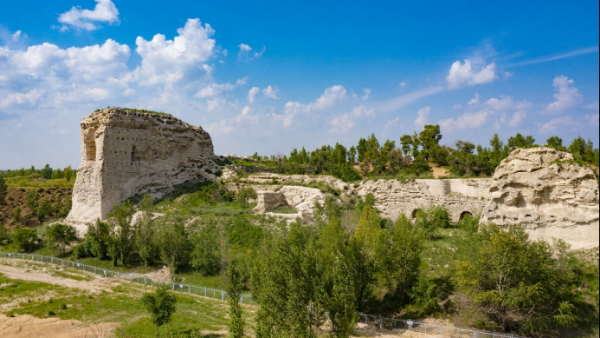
377, 321
383, 323
132, 277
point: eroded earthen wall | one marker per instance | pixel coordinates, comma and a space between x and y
126, 153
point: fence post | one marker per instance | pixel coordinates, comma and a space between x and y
189, 289
131, 277
441, 329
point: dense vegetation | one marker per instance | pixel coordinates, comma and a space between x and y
46, 177
413, 156
350, 260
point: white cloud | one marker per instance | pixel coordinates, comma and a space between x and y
392, 123
366, 93
178, 60
105, 11
343, 124
331, 96
593, 106
465, 121
404, 100
502, 104
214, 90
422, 117
18, 36
466, 75
270, 93
247, 53
402, 84
593, 120
242, 81
566, 96
30, 99
516, 119
474, 100
550, 127
252, 94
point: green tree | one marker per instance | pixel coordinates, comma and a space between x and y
3, 234
206, 255
43, 210
174, 246
235, 286
31, 200
98, 235
3, 191
16, 215
24, 239
121, 242
367, 230
160, 305
59, 236
429, 139
147, 202
520, 141
517, 281
556, 143
245, 194
145, 240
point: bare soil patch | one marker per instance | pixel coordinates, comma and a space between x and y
27, 326
14, 270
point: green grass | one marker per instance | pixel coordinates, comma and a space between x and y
285, 210
123, 306
26, 182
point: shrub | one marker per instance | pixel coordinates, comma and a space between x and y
25, 239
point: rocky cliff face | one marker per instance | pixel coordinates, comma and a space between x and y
544, 191
124, 153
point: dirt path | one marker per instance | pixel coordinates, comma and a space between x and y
369, 331
27, 326
96, 285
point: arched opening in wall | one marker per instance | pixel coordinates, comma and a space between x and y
135, 155
90, 145
413, 214
465, 214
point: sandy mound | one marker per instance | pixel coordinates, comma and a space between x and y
27, 326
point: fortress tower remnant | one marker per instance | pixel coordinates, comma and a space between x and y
126, 153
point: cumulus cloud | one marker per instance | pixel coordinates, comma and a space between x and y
330, 97
550, 127
516, 119
242, 81
422, 117
178, 60
270, 93
566, 95
593, 106
465, 121
105, 11
466, 74
252, 94
344, 123
474, 100
246, 52
366, 93
214, 90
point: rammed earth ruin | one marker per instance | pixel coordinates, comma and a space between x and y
127, 153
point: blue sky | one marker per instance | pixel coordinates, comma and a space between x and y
269, 76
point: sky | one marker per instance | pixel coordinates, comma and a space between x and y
270, 76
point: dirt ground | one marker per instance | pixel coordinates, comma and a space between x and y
16, 198
27, 326
363, 330
15, 269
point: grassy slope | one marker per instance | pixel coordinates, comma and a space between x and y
122, 305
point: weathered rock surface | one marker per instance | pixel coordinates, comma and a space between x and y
124, 153
541, 189
460, 196
300, 198
269, 178
544, 191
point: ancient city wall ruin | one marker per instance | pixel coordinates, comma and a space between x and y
126, 152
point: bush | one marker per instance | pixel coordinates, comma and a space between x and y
25, 239
469, 223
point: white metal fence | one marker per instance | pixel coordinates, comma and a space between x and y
377, 321
132, 277
383, 323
